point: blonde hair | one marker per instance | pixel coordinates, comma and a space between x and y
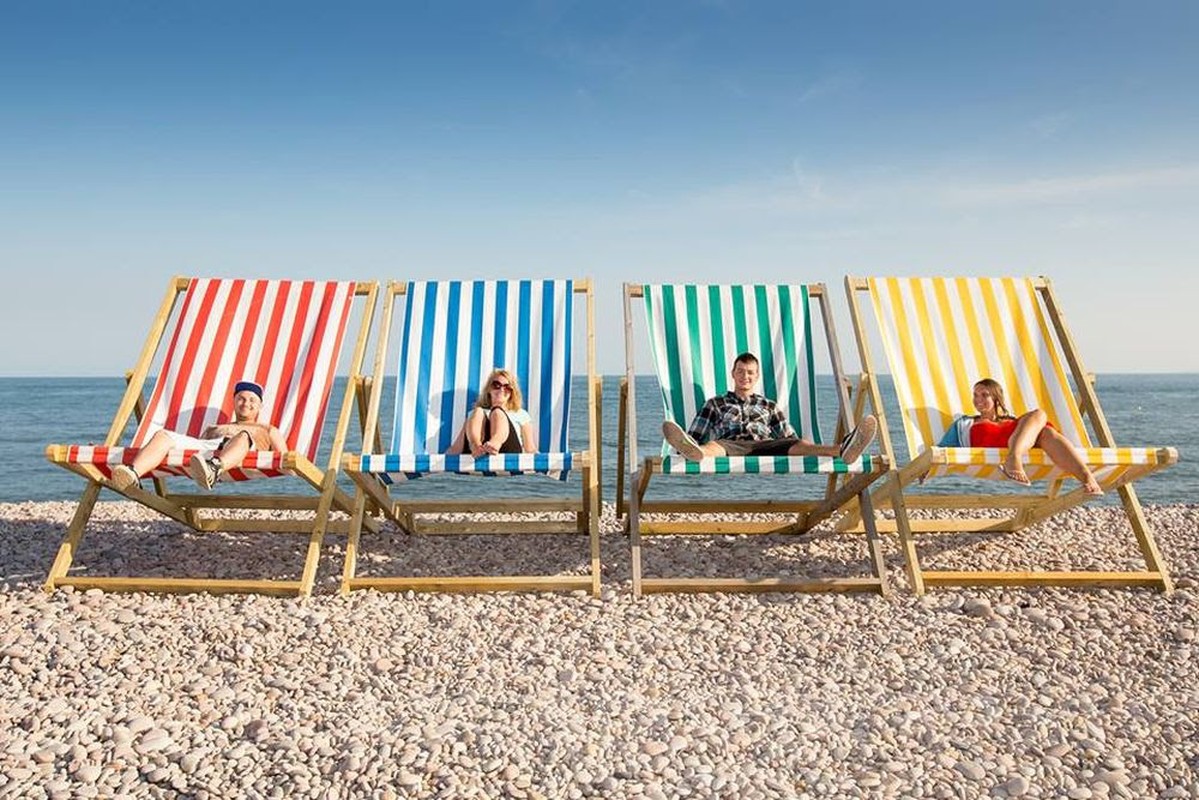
994, 389
515, 398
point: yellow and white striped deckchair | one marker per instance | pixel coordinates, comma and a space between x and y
940, 337
696, 333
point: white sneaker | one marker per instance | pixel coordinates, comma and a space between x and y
202, 472
853, 445
123, 477
680, 440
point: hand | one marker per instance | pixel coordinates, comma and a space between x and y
491, 448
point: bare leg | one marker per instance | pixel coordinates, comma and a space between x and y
234, 452
1028, 428
152, 453
474, 431
500, 428
1062, 453
806, 448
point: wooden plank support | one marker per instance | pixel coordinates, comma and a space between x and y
181, 585
497, 527
713, 528
478, 583
999, 578
761, 585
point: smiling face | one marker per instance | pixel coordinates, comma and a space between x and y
500, 390
246, 405
988, 399
745, 377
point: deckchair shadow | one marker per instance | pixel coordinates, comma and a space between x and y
454, 333
696, 333
940, 336
287, 336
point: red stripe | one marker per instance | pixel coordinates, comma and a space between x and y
295, 339
159, 385
253, 318
272, 342
304, 391
323, 409
205, 397
189, 362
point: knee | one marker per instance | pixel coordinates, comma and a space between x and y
1037, 417
496, 415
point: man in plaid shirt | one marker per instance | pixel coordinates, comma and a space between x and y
741, 423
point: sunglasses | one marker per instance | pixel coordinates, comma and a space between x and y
501, 385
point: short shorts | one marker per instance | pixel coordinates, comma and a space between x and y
754, 447
182, 441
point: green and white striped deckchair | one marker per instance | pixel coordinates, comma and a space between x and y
696, 332
942, 335
454, 334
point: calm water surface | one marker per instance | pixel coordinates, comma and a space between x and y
34, 412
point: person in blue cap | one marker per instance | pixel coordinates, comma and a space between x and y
222, 447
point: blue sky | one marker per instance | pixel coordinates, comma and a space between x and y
718, 141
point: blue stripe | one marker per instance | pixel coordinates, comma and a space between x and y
422, 384
567, 379
395, 433
445, 435
501, 326
473, 365
546, 421
524, 330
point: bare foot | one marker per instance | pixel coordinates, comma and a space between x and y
1092, 487
1014, 472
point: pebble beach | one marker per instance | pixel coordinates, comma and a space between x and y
958, 694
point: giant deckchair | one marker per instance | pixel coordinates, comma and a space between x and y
287, 336
454, 334
941, 336
696, 332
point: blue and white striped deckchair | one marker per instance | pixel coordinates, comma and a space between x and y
941, 336
454, 334
696, 332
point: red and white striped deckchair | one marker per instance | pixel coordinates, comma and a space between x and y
942, 335
284, 335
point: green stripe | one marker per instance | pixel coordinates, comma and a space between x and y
765, 346
720, 369
691, 297
673, 373
788, 324
739, 330
814, 433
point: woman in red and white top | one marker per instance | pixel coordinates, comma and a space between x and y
994, 426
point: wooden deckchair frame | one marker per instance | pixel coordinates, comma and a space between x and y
194, 510
408, 514
1026, 510
806, 514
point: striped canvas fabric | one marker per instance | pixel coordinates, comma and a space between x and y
455, 333
285, 335
697, 331
942, 335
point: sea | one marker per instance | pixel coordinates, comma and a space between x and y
1141, 410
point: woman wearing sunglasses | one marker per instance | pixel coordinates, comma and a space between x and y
497, 423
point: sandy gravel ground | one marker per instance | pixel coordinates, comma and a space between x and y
972, 693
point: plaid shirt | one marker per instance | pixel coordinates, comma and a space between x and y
730, 417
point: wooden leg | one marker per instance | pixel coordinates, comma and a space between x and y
874, 544
319, 524
1145, 538
593, 514
635, 534
906, 542
351, 563
70, 542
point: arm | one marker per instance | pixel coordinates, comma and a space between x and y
779, 425
701, 426
278, 443
529, 437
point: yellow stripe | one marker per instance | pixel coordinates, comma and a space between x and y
995, 315
1059, 372
904, 360
972, 315
936, 373
960, 388
1027, 339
